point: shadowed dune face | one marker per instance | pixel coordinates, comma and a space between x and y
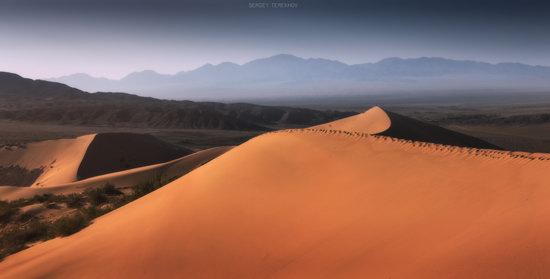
113, 152
411, 129
380, 122
312, 204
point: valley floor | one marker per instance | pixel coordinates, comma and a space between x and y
16, 132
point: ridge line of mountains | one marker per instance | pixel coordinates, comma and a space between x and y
24, 99
289, 75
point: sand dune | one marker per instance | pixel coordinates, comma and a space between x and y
126, 178
373, 121
322, 203
380, 122
53, 161
113, 152
57, 162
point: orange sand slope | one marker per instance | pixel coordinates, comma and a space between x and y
58, 160
322, 204
373, 121
127, 178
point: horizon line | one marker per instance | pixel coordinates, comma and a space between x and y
275, 55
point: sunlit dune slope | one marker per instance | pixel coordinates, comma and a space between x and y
372, 121
126, 178
42, 164
322, 204
378, 121
113, 152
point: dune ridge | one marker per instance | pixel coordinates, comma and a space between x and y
435, 147
318, 203
372, 121
380, 122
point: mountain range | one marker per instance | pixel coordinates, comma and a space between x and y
288, 75
42, 101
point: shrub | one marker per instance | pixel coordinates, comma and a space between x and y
51, 205
122, 201
7, 211
69, 224
25, 217
111, 190
90, 212
16, 239
143, 189
95, 196
43, 198
75, 200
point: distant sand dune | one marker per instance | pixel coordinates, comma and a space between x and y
380, 122
322, 203
57, 159
65, 161
113, 152
126, 178
373, 121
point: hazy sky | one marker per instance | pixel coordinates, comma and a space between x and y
110, 38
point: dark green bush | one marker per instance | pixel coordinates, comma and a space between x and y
111, 190
51, 205
14, 240
102, 200
7, 211
96, 196
75, 201
43, 198
69, 224
143, 189
25, 217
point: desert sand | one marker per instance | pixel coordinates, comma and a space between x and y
372, 121
114, 152
59, 162
126, 178
376, 121
326, 202
58, 159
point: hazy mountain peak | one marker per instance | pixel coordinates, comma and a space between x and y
390, 60
141, 73
279, 58
228, 64
146, 76
291, 74
285, 56
78, 75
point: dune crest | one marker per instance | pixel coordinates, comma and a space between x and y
376, 121
372, 121
322, 203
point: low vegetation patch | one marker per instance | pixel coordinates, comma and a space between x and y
71, 213
18, 176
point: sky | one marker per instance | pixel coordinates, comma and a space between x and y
111, 38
